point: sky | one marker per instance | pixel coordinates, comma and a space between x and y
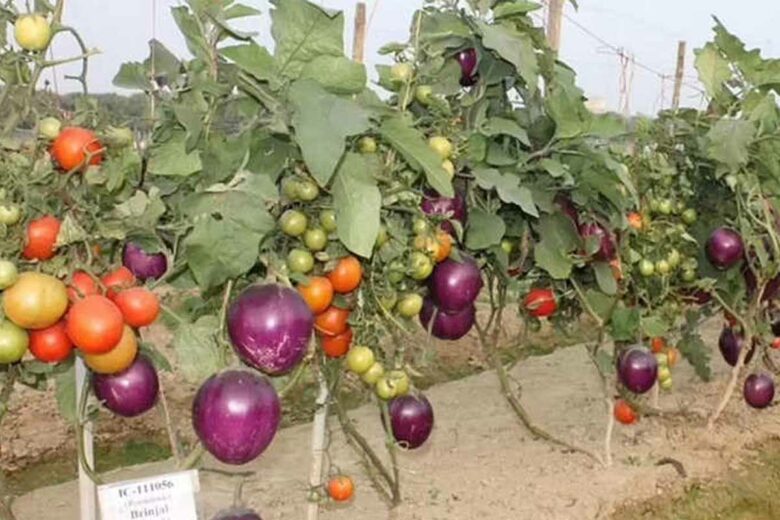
648, 30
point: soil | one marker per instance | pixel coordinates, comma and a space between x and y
479, 462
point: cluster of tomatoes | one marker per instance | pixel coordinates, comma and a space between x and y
667, 358
95, 316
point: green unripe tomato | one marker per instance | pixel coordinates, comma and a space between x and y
293, 223
384, 388
663, 359
49, 128
360, 359
688, 276
665, 207
13, 342
420, 265
367, 145
396, 271
420, 226
689, 216
308, 191
662, 267
387, 299
449, 168
315, 239
400, 381
300, 261
679, 207
441, 145
423, 94
673, 258
401, 73
382, 237
507, 246
374, 372
646, 268
119, 136
665, 384
410, 305
10, 214
8, 274
290, 188
664, 373
328, 220
655, 205
32, 32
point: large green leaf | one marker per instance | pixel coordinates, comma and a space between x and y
508, 187
171, 158
337, 74
503, 126
197, 350
191, 30
484, 230
605, 278
303, 31
516, 48
558, 239
253, 59
516, 8
729, 141
566, 107
410, 142
322, 122
693, 348
358, 202
625, 324
713, 69
218, 250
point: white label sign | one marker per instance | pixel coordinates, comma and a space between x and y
164, 497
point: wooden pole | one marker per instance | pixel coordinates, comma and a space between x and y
87, 490
359, 42
678, 75
318, 443
554, 20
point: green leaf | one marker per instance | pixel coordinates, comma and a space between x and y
516, 48
358, 201
141, 210
240, 11
601, 304
606, 362
191, 30
303, 31
693, 348
605, 278
218, 250
132, 76
508, 187
157, 358
442, 26
337, 74
170, 158
713, 69
558, 240
625, 324
322, 122
197, 350
502, 126
729, 140
71, 232
654, 326
65, 393
566, 107
516, 8
162, 61
411, 143
252, 59
484, 230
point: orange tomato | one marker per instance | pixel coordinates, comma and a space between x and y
75, 146
318, 293
118, 358
445, 245
337, 346
52, 344
657, 345
139, 306
341, 488
635, 220
623, 412
121, 278
95, 324
673, 356
617, 269
776, 343
346, 276
332, 322
81, 285
41, 238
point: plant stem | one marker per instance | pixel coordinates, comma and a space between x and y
732, 384
318, 442
172, 436
80, 420
391, 449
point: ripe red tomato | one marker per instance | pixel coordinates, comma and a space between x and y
337, 346
332, 322
76, 146
95, 324
41, 237
540, 303
81, 286
657, 345
341, 488
51, 345
318, 293
346, 276
121, 278
139, 306
776, 343
623, 412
